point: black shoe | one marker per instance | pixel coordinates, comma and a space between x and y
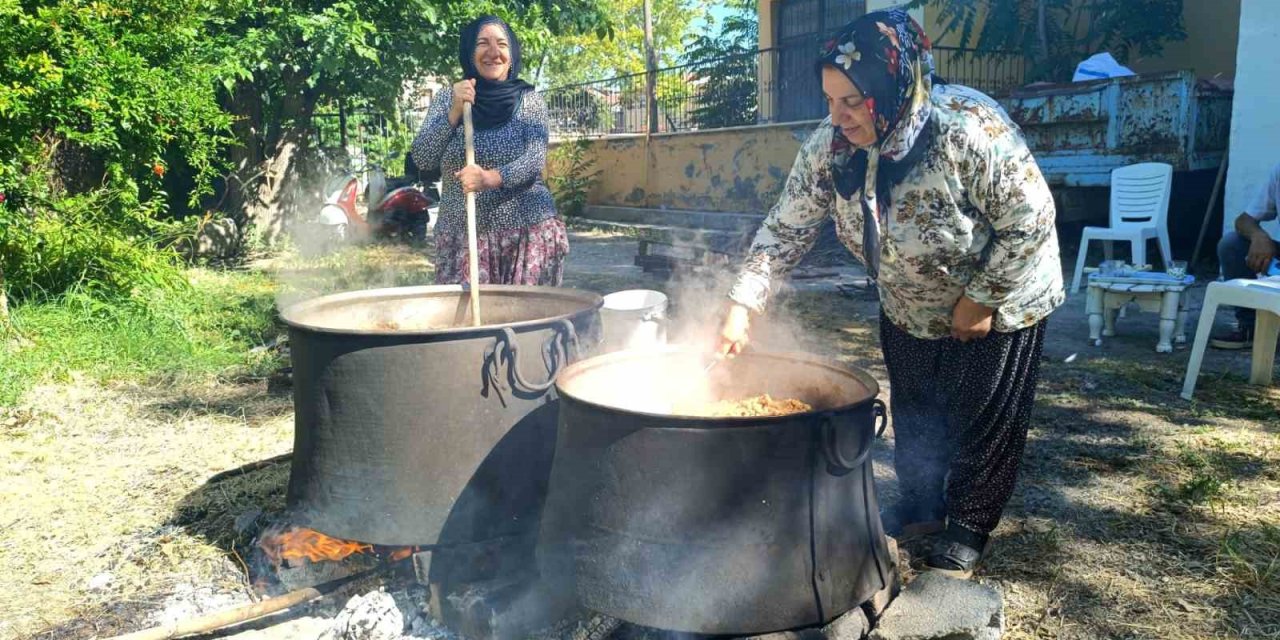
958, 552
1234, 339
909, 520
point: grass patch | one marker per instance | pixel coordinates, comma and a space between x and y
350, 269
208, 327
1252, 560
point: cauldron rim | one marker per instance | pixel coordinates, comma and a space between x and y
293, 315
677, 421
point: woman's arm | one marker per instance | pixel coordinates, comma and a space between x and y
524, 170
433, 137
1007, 187
792, 226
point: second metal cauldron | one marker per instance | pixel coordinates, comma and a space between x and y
715, 525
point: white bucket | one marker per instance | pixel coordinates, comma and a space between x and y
634, 319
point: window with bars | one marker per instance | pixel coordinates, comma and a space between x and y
800, 29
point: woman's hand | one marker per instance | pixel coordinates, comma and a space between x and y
733, 333
970, 320
475, 179
463, 91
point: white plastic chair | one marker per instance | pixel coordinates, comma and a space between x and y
1139, 213
1263, 295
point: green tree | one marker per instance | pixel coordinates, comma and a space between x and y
110, 106
727, 90
1055, 35
101, 100
587, 57
292, 56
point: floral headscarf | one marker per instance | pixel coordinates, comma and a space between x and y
887, 57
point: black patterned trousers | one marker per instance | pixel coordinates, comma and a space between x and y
960, 417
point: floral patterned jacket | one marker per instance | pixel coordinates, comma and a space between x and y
974, 217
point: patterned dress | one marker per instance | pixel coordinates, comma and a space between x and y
520, 239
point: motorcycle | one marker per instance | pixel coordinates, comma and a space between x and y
398, 208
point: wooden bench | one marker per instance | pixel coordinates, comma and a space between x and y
670, 240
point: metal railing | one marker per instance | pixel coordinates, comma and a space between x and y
753, 87
991, 72
708, 94
615, 105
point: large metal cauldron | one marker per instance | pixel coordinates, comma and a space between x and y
715, 525
414, 428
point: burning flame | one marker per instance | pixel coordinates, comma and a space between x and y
297, 543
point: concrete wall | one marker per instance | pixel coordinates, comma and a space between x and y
1255, 117
739, 170
1213, 26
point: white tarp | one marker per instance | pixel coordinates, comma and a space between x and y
1099, 66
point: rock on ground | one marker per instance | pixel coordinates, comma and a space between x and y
850, 626
373, 616
934, 606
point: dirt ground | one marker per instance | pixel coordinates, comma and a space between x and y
1138, 514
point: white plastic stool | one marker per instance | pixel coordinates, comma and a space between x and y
1262, 295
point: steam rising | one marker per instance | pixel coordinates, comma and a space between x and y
671, 385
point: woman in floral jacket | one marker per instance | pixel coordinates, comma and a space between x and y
931, 185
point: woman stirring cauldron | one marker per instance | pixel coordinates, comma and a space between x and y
932, 187
521, 241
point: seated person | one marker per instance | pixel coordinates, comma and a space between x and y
1246, 252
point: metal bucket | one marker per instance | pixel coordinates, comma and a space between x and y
634, 319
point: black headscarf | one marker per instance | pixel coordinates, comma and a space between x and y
887, 56
495, 101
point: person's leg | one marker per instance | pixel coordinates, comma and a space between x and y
1232, 251
990, 394
920, 452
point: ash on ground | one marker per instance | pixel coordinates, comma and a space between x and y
380, 614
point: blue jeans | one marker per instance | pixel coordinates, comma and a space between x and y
1232, 251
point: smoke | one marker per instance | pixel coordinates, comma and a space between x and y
698, 300
321, 262
702, 298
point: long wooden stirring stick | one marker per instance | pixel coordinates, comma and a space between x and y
473, 258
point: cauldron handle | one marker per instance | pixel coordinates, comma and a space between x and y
569, 341
562, 342
831, 445
882, 416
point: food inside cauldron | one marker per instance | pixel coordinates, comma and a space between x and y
408, 325
677, 382
755, 407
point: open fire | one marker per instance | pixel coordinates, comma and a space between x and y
293, 544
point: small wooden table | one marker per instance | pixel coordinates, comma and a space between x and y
1153, 293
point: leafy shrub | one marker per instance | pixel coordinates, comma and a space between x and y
100, 99
572, 175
